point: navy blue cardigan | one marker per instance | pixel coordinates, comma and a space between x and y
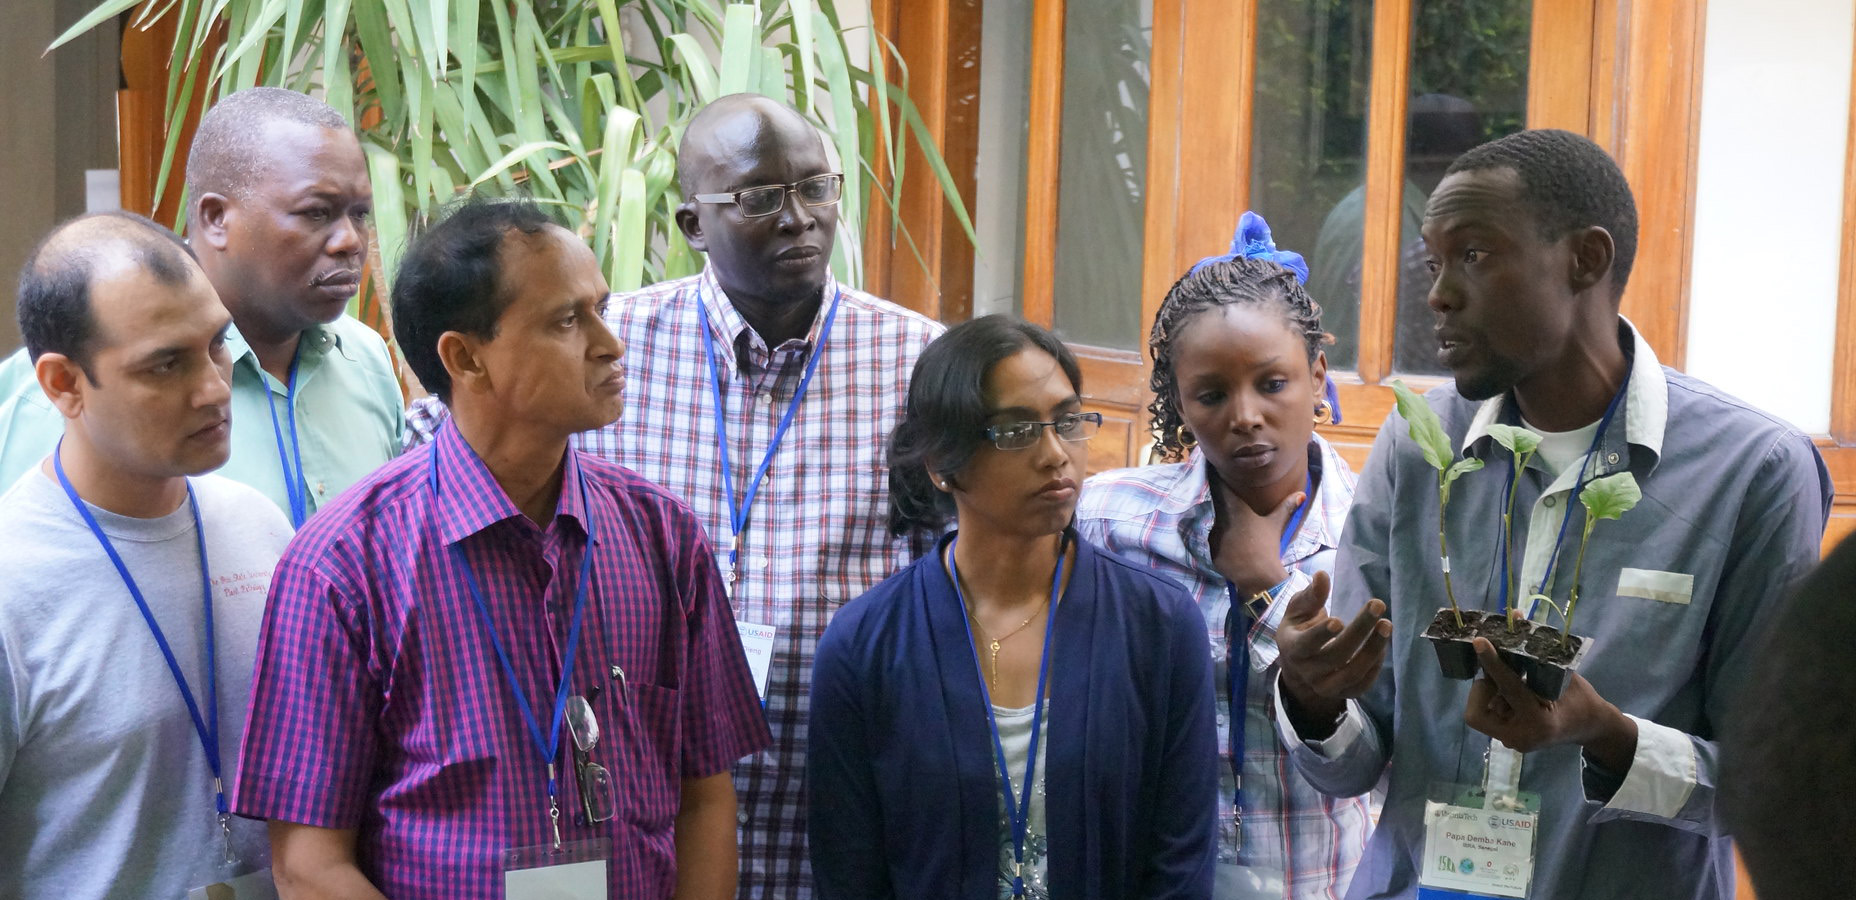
903, 779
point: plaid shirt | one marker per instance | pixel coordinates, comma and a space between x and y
378, 703
1161, 516
818, 533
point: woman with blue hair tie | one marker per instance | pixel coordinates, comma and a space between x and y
1249, 507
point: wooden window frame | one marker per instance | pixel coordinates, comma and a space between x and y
1839, 446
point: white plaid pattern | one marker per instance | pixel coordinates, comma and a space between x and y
1161, 517
818, 534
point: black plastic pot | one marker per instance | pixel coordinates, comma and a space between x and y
1455, 655
1546, 678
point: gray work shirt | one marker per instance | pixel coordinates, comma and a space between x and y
1733, 511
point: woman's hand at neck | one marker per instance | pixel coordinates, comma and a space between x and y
1248, 528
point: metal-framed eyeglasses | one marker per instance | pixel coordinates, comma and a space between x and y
1019, 435
596, 792
754, 202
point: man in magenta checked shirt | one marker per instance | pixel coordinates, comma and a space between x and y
498, 666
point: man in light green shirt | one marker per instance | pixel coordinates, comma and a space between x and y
279, 221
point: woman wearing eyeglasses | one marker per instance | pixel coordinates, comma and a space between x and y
1018, 714
1250, 508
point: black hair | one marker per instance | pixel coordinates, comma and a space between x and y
1788, 742
226, 154
1241, 281
944, 420
451, 280
1569, 183
54, 284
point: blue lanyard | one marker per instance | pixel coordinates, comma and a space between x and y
550, 746
294, 487
1017, 810
738, 512
1237, 665
1572, 502
206, 726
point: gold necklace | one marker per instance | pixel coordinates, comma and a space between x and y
993, 642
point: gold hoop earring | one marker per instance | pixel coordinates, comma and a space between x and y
1184, 437
1324, 412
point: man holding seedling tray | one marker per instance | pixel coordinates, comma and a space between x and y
1481, 517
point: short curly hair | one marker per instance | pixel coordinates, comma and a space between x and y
1240, 281
1568, 182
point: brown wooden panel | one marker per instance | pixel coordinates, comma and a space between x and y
1385, 185
1843, 368
1658, 116
1120, 442
1043, 160
141, 110
928, 265
1218, 69
1559, 65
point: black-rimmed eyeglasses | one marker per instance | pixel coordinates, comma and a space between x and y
754, 202
1019, 435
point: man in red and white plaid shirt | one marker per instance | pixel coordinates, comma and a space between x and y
761, 201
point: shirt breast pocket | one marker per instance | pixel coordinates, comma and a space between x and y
1676, 588
647, 722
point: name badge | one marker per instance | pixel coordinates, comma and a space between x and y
757, 643
1481, 852
573, 871
254, 886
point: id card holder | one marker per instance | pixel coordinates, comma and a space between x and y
757, 643
1235, 882
1474, 850
574, 871
252, 886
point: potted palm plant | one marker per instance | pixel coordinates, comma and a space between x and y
577, 103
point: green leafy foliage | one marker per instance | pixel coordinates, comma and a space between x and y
1427, 431
1611, 496
576, 103
1519, 441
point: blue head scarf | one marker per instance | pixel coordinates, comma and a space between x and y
1253, 241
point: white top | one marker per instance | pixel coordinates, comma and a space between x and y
1561, 450
1015, 737
105, 791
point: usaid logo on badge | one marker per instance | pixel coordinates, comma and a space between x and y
1497, 820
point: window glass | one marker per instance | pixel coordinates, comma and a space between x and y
1314, 66
1469, 86
1102, 186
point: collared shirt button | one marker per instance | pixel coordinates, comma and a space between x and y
759, 563
1548, 502
765, 398
741, 816
1611, 458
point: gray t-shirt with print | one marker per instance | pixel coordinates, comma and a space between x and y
104, 787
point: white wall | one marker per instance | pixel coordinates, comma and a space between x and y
1775, 116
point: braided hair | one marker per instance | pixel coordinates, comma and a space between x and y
1239, 281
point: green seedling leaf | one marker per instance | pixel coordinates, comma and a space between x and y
1611, 496
1461, 468
1449, 476
1519, 441
1427, 431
